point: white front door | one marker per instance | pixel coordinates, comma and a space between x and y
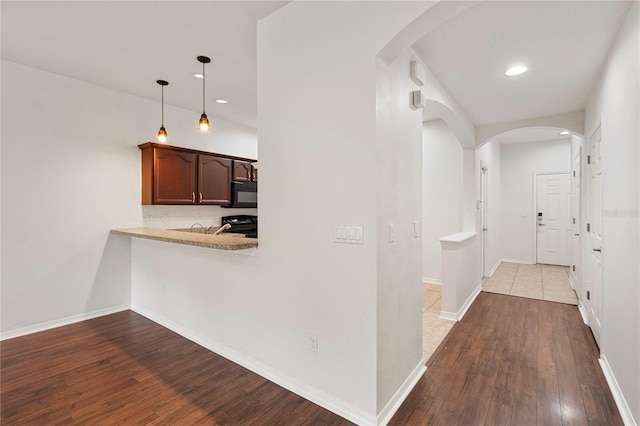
553, 221
594, 233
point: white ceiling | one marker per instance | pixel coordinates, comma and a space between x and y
128, 45
564, 44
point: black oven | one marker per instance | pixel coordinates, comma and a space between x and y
244, 194
242, 224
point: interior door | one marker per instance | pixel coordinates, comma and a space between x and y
553, 219
575, 218
594, 233
484, 216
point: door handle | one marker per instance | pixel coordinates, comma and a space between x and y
599, 250
542, 224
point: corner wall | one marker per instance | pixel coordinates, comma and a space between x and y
399, 289
319, 150
616, 97
442, 189
489, 154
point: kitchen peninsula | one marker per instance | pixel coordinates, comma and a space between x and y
199, 239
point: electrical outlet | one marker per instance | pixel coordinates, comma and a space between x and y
313, 342
416, 230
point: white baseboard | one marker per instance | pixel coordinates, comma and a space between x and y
583, 313
571, 283
494, 268
449, 316
401, 394
276, 376
467, 304
523, 261
62, 322
427, 280
623, 407
457, 316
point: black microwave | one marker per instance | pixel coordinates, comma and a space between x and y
244, 194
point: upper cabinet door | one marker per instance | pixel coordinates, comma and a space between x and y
214, 177
174, 177
241, 171
254, 173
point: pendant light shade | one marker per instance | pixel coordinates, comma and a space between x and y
204, 121
162, 133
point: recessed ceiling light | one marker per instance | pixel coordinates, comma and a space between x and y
198, 75
222, 101
517, 70
564, 133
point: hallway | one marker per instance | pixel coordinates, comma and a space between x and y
513, 361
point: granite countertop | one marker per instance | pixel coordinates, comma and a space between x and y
221, 242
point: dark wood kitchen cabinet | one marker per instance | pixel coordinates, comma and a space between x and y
241, 171
214, 177
174, 175
254, 173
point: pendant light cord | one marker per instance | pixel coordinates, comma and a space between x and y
203, 86
162, 106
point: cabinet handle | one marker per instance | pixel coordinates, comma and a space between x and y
193, 197
200, 198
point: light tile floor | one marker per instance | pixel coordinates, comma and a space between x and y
543, 282
434, 328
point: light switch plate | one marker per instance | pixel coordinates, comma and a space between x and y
392, 232
349, 234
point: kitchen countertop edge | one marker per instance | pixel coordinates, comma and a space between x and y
219, 242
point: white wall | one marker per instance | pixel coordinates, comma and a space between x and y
519, 162
442, 188
399, 147
616, 96
317, 109
70, 173
489, 154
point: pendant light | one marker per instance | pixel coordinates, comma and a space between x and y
204, 121
162, 133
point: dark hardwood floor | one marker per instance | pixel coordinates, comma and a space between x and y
125, 369
509, 361
513, 361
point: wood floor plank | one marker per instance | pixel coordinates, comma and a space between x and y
534, 357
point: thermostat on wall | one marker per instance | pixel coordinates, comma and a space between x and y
417, 73
416, 99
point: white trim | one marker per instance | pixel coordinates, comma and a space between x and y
62, 322
276, 376
457, 316
583, 313
623, 407
449, 316
493, 270
427, 280
401, 394
467, 304
571, 283
523, 261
